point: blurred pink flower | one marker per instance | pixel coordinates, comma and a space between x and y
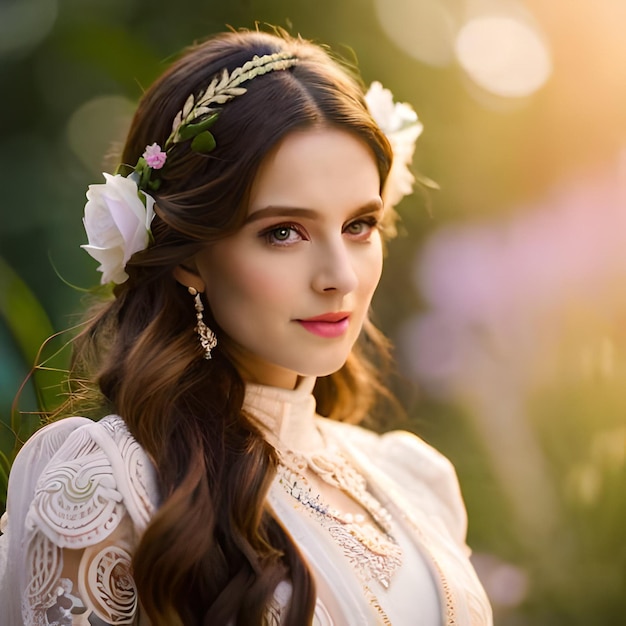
502, 285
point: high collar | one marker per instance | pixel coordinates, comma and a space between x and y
286, 416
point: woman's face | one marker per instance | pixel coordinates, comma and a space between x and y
292, 287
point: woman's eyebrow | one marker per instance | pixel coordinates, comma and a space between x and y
280, 211
288, 211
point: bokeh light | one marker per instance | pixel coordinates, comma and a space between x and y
503, 55
96, 129
424, 29
24, 24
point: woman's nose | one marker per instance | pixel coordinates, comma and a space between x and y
334, 269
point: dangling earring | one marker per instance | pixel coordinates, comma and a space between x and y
208, 340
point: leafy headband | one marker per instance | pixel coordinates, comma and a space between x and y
197, 116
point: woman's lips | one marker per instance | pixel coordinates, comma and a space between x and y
329, 325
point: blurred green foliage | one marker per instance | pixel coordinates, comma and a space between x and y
70, 74
29, 328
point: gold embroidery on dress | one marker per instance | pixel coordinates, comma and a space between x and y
448, 596
373, 600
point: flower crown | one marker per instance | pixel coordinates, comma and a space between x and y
119, 212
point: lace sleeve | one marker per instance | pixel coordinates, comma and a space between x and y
90, 504
80, 587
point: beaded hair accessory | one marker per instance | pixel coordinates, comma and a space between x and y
119, 212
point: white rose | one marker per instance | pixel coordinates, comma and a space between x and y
389, 115
117, 225
400, 124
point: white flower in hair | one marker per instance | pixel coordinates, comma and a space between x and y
402, 127
117, 221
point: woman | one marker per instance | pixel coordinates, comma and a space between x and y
245, 246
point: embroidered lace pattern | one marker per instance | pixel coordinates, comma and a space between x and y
107, 584
136, 469
371, 549
97, 477
349, 537
45, 564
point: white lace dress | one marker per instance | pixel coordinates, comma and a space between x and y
81, 494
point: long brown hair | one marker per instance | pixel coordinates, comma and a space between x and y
214, 553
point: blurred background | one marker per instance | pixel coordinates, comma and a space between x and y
504, 293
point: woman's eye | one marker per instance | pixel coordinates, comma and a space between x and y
361, 229
282, 235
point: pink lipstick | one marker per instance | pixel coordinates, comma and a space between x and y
329, 325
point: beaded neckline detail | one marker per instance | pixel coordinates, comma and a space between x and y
369, 547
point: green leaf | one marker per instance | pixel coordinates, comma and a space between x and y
144, 172
24, 316
5, 467
203, 143
192, 130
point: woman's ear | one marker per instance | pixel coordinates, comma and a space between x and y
187, 276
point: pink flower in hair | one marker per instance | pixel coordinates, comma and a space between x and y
154, 156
